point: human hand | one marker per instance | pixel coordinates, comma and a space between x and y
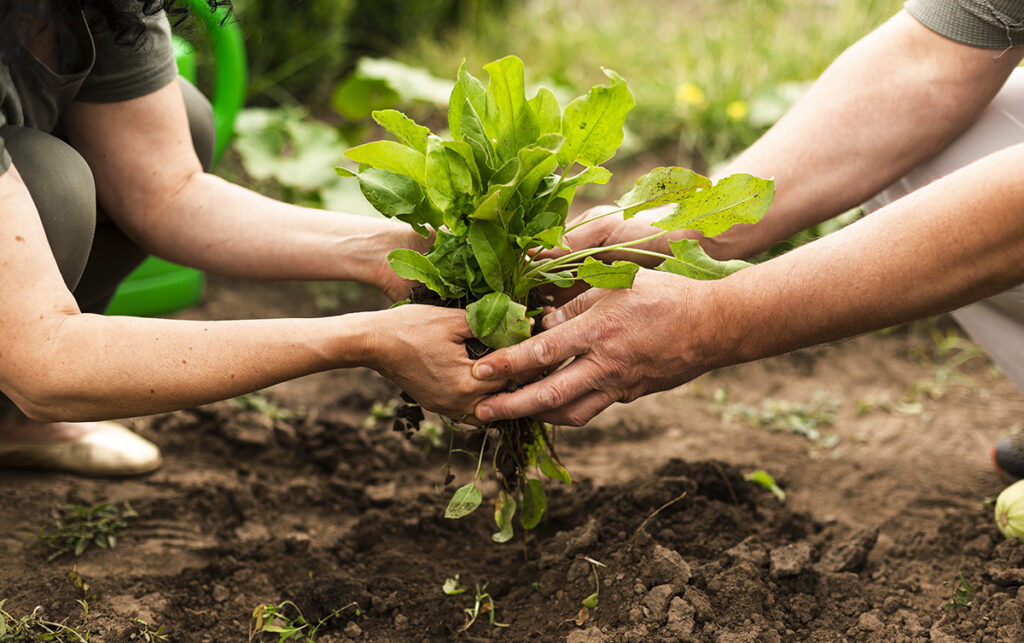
625, 343
395, 287
422, 350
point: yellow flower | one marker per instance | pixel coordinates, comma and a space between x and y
689, 94
737, 110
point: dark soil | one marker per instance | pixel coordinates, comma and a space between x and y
326, 506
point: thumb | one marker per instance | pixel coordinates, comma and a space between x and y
575, 307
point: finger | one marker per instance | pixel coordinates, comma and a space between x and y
575, 307
581, 411
545, 349
553, 392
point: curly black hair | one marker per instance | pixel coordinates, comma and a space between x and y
124, 17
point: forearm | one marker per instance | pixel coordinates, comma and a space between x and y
953, 242
889, 102
227, 229
97, 367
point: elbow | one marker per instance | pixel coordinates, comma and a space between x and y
43, 406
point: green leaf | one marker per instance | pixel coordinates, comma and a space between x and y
455, 261
451, 586
739, 198
562, 279
381, 82
619, 274
534, 504
487, 313
465, 501
549, 113
466, 103
488, 210
691, 261
660, 186
552, 469
508, 119
504, 509
412, 265
535, 163
591, 601
389, 193
493, 251
592, 124
514, 328
404, 128
592, 174
393, 157
465, 150
765, 479
449, 180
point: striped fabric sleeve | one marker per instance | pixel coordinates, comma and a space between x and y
988, 24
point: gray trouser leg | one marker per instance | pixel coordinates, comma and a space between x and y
997, 323
93, 255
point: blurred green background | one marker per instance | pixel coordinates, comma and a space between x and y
709, 77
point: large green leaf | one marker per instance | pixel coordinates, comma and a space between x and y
535, 163
404, 128
739, 198
660, 186
455, 261
449, 179
549, 113
393, 157
504, 509
465, 501
487, 313
466, 103
592, 124
465, 150
535, 503
508, 119
391, 194
691, 261
512, 329
412, 265
619, 274
494, 252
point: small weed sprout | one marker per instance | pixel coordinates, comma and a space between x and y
962, 595
271, 619
451, 586
591, 601
765, 479
146, 634
76, 527
35, 627
262, 405
483, 603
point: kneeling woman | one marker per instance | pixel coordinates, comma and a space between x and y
102, 150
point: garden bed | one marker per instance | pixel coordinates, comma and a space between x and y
313, 500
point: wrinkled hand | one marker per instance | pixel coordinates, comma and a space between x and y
422, 350
625, 343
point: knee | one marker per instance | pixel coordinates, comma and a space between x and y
64, 192
200, 122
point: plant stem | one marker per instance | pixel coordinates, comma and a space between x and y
582, 254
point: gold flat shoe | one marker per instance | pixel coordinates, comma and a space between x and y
105, 449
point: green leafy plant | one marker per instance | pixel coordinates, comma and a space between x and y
498, 194
273, 619
591, 601
36, 627
76, 527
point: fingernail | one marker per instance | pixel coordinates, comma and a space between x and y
554, 319
483, 371
484, 413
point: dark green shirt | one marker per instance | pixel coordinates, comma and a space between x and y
990, 24
94, 69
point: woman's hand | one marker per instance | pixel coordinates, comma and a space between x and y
422, 349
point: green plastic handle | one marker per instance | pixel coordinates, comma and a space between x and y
231, 75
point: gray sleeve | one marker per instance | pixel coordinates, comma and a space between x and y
989, 24
122, 73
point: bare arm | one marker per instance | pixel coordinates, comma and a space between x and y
150, 182
59, 364
890, 101
952, 242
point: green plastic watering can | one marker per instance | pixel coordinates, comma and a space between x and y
158, 287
